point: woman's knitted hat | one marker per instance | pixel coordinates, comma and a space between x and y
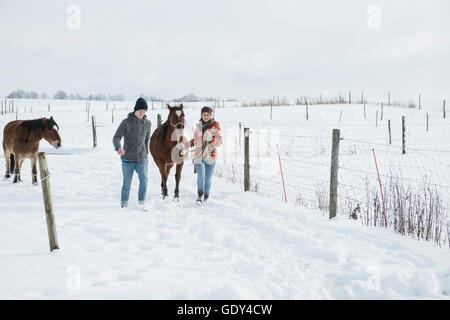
206, 109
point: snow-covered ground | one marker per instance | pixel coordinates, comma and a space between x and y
238, 246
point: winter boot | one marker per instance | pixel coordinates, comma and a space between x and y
142, 206
199, 198
205, 197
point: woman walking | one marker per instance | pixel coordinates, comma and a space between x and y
207, 136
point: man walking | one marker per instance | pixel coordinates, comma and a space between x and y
135, 130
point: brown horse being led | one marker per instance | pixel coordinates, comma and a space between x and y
21, 140
166, 148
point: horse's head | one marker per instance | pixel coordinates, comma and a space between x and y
51, 133
176, 117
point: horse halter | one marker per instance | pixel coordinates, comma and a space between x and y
175, 125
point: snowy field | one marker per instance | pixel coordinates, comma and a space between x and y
239, 245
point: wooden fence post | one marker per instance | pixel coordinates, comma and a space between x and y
247, 160
349, 97
382, 111
334, 173
364, 102
158, 117
389, 128
271, 105
443, 108
307, 110
403, 135
389, 99
46, 193
419, 101
427, 121
94, 132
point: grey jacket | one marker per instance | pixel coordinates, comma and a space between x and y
136, 134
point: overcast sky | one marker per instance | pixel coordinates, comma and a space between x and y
227, 49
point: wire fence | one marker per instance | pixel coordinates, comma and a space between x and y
296, 169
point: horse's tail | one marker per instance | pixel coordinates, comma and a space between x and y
12, 163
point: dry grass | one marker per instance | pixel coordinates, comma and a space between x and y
266, 102
417, 211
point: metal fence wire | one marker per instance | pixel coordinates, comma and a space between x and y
296, 169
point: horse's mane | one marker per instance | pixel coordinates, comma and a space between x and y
33, 125
36, 124
164, 128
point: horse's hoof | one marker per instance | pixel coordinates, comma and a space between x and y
176, 199
7, 176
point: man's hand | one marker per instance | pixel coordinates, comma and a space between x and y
121, 152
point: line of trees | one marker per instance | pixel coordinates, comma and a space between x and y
186, 98
191, 98
20, 94
151, 98
62, 95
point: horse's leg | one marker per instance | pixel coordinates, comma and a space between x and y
20, 168
18, 164
8, 162
163, 181
162, 174
34, 170
13, 165
167, 168
177, 179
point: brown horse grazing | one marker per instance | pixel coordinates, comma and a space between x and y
21, 140
166, 148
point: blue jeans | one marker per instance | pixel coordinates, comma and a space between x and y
128, 168
204, 174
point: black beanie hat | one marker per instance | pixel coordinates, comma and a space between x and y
141, 104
